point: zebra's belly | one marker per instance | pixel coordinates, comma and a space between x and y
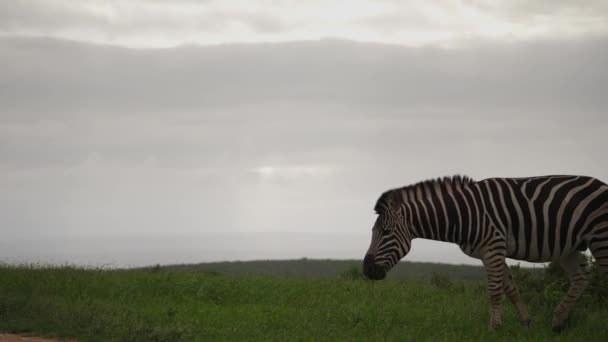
541, 250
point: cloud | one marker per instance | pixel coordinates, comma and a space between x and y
217, 85
294, 110
134, 22
448, 20
144, 23
291, 172
521, 10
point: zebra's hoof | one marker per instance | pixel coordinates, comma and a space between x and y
558, 324
494, 326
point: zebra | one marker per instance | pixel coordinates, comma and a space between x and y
536, 219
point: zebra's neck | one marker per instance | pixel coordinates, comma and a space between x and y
435, 211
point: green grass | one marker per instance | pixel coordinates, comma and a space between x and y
161, 305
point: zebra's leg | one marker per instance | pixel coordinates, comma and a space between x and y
513, 294
599, 249
494, 262
575, 267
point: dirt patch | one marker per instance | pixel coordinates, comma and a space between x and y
18, 338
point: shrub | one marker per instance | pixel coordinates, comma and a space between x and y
551, 285
441, 281
353, 273
598, 284
156, 268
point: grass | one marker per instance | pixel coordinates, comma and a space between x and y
162, 305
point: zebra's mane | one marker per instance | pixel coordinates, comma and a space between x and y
394, 195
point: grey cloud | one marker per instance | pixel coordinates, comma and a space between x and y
35, 15
522, 10
73, 78
524, 19
244, 105
264, 23
395, 21
155, 23
127, 18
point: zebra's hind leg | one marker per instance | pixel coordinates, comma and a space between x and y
494, 262
599, 249
513, 294
575, 267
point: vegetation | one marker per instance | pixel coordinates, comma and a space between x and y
158, 304
541, 288
314, 268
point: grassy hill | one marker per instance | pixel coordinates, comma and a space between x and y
317, 268
166, 304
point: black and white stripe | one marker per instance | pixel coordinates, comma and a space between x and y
537, 219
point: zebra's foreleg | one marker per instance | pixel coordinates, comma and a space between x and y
513, 293
494, 263
575, 267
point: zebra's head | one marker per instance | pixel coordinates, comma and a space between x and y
391, 239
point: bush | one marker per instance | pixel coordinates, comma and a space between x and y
441, 281
528, 279
598, 284
353, 273
551, 285
155, 269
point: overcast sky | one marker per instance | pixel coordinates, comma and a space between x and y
137, 132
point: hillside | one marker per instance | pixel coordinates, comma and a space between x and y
324, 268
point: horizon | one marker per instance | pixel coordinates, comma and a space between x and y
170, 249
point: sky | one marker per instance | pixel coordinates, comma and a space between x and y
143, 132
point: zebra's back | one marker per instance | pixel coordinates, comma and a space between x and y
545, 218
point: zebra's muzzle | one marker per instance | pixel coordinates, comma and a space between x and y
371, 270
